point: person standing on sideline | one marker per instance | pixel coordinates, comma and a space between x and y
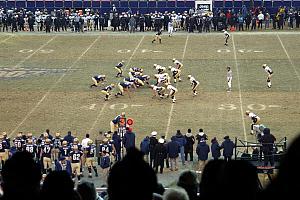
114, 124
202, 152
201, 135
227, 146
170, 28
215, 149
129, 139
267, 141
160, 153
181, 141
145, 148
229, 78
189, 146
152, 144
173, 152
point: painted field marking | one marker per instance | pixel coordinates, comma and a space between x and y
274, 106
104, 106
91, 107
239, 86
135, 105
2, 41
172, 106
53, 86
46, 51
34, 52
288, 56
239, 50
253, 106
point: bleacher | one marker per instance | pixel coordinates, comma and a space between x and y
143, 6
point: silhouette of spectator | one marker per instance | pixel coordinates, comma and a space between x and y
153, 143
188, 180
267, 141
286, 185
63, 164
58, 185
87, 191
211, 180
227, 146
202, 152
173, 152
21, 177
131, 178
69, 138
180, 139
175, 194
160, 153
129, 139
145, 148
215, 149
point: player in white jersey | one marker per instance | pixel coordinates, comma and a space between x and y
175, 73
255, 120
194, 84
269, 71
160, 69
170, 28
226, 37
229, 78
177, 64
162, 79
158, 90
173, 90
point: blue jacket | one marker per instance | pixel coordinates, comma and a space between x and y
69, 139
58, 167
173, 148
215, 149
202, 151
105, 162
129, 140
180, 140
227, 146
145, 146
117, 141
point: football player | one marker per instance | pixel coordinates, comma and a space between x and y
172, 93
64, 150
124, 86
106, 91
136, 81
144, 79
269, 71
118, 67
56, 145
158, 36
135, 71
175, 73
115, 122
19, 142
160, 69
194, 84
75, 158
162, 79
177, 64
158, 90
46, 155
255, 120
31, 148
3, 146
97, 79
226, 37
90, 158
229, 78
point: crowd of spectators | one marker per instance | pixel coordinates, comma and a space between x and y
133, 178
14, 20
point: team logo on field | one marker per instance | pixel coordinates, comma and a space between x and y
9, 73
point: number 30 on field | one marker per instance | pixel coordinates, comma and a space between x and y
258, 106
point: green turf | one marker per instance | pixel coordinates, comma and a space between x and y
61, 102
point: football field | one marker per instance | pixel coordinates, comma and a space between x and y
45, 79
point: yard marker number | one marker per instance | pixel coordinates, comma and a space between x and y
257, 106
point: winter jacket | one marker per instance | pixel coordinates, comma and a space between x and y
173, 148
145, 146
129, 140
215, 149
227, 146
202, 151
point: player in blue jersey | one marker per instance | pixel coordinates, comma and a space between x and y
97, 79
106, 91
90, 158
118, 67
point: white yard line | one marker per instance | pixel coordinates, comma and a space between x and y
104, 106
30, 55
2, 41
239, 85
134, 51
288, 56
53, 86
172, 106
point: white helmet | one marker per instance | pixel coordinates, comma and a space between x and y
154, 133
189, 76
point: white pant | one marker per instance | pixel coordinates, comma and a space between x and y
229, 80
170, 30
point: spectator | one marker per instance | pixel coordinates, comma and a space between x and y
175, 194
129, 139
188, 180
201, 135
173, 150
153, 143
49, 134
189, 146
69, 138
145, 148
117, 145
21, 177
85, 141
160, 153
215, 149
267, 141
58, 185
87, 191
260, 18
181, 141
227, 146
131, 178
202, 152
